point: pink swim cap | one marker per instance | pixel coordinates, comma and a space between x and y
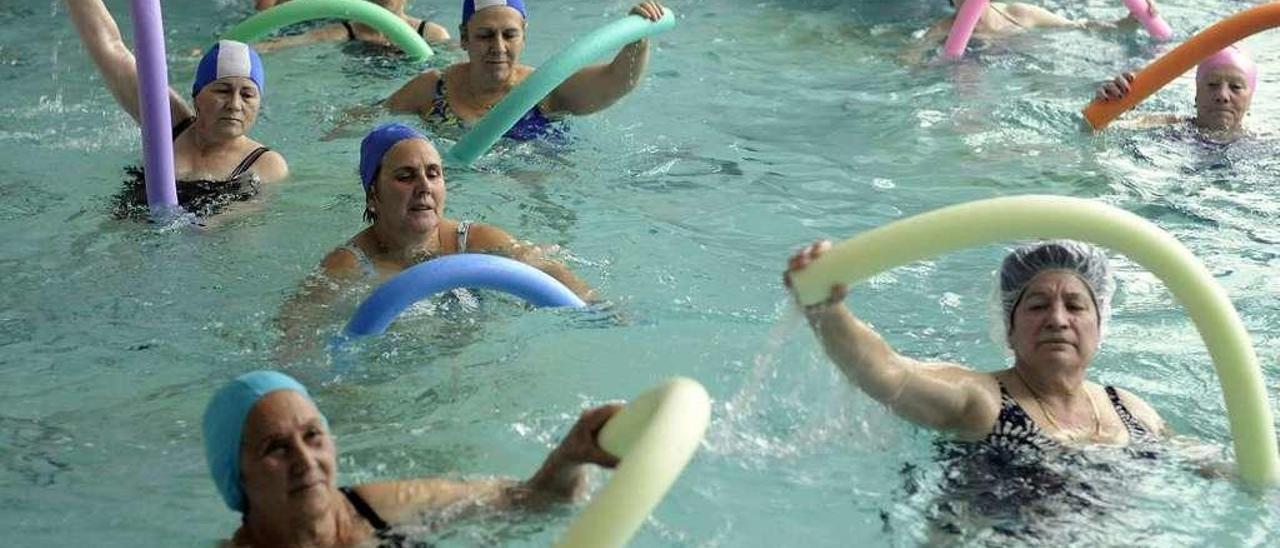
1235, 57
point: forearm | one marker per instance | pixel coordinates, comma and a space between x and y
557, 480
101, 36
533, 256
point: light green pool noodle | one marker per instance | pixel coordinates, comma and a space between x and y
551, 74
394, 28
654, 436
1024, 217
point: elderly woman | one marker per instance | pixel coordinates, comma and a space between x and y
347, 31
1056, 299
493, 34
1225, 83
273, 459
403, 179
214, 159
1001, 19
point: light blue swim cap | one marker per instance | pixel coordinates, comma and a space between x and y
223, 425
376, 144
470, 7
230, 58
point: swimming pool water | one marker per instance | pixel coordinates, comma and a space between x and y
761, 126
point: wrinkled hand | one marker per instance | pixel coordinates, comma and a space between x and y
1115, 89
801, 259
649, 10
580, 445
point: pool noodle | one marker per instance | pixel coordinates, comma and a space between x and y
1000, 219
153, 101
962, 28
1155, 25
389, 24
1183, 58
655, 436
425, 279
551, 74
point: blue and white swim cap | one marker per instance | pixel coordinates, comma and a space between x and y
223, 427
470, 7
229, 58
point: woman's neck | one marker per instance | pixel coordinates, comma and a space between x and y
331, 528
406, 248
1062, 385
207, 145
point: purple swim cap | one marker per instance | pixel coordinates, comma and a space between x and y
376, 144
470, 7
1235, 57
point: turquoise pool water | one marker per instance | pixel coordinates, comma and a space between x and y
762, 126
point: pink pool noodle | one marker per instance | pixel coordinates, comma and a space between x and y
962, 28
1155, 26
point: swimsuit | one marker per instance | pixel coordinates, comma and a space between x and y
382, 530
200, 196
351, 31
533, 125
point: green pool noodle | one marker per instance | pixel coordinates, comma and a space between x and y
551, 74
1042, 217
393, 27
655, 436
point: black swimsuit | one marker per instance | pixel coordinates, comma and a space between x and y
351, 31
202, 197
382, 530
1017, 436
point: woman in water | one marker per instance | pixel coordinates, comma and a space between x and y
1225, 84
1056, 300
493, 34
215, 161
1015, 435
1000, 20
273, 460
348, 31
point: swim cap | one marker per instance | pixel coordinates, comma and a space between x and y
229, 58
376, 144
470, 7
1232, 56
1020, 266
223, 426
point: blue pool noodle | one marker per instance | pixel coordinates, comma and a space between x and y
451, 272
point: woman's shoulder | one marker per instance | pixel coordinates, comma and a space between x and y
1141, 410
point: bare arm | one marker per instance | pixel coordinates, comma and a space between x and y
942, 396
331, 33
1029, 16
303, 315
101, 36
415, 96
916, 52
594, 88
488, 238
561, 478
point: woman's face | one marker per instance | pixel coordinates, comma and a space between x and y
227, 107
494, 38
1223, 97
287, 459
1056, 323
409, 194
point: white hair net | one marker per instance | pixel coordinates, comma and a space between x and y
1087, 262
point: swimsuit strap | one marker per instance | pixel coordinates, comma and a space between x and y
1135, 428
351, 31
422, 29
366, 264
440, 105
463, 227
1010, 19
182, 126
364, 509
248, 162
